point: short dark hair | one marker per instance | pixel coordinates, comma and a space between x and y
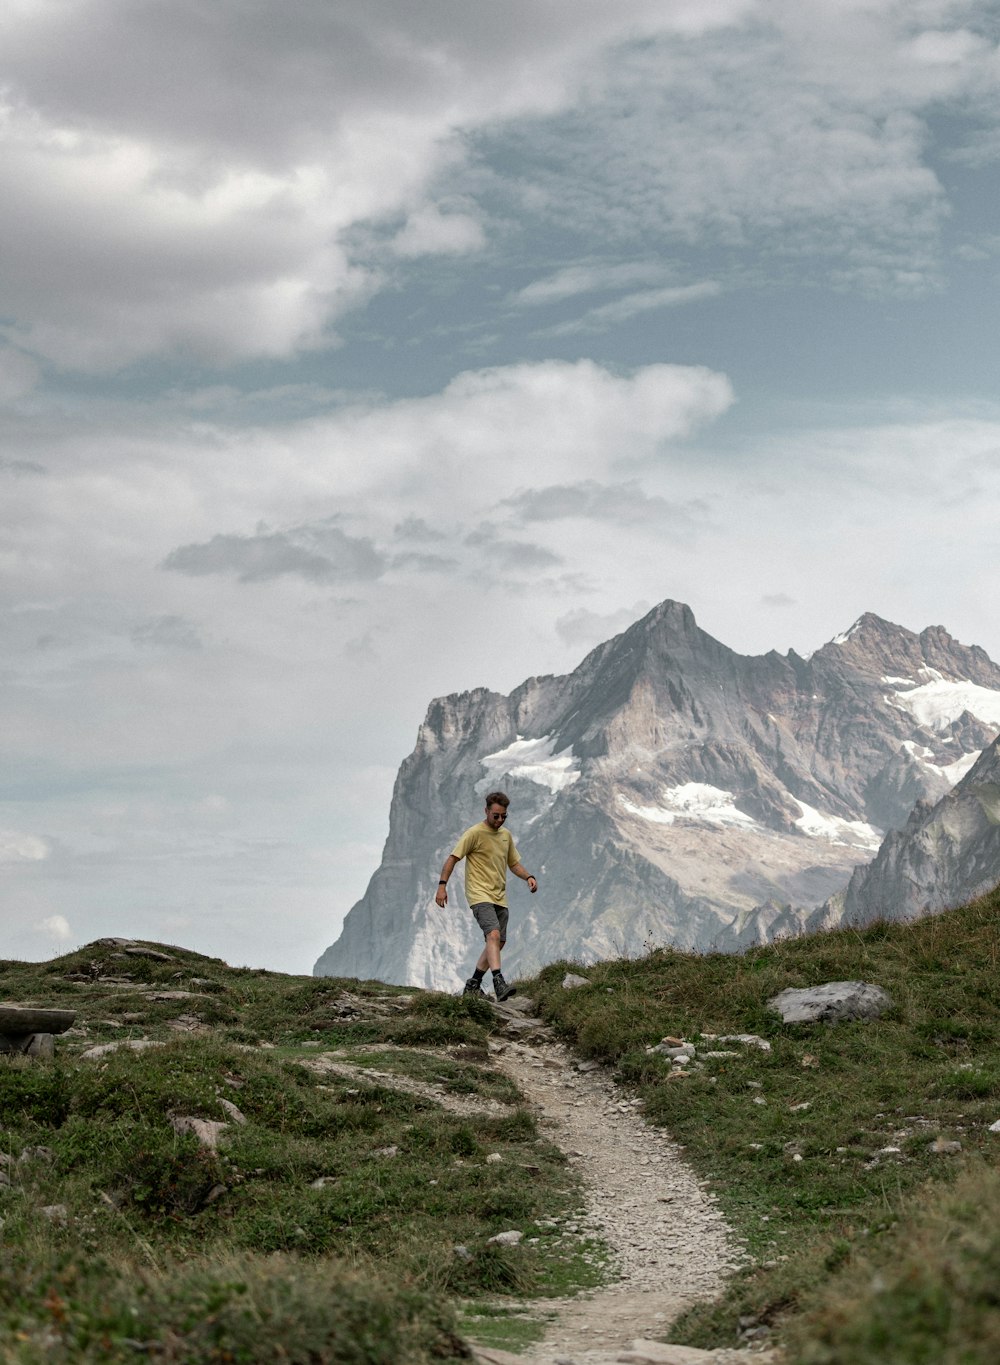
497, 799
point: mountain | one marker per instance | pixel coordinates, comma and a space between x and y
670, 790
945, 855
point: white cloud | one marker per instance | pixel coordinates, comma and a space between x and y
17, 847
590, 279
56, 928
802, 133
430, 232
178, 178
634, 305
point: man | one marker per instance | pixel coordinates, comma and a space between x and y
488, 850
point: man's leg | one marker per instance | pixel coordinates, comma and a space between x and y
492, 919
500, 987
490, 956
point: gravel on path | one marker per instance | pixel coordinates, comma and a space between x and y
669, 1241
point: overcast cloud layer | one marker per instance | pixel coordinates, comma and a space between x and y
350, 355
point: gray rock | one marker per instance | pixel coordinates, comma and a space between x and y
136, 950
42, 1045
55, 1213
832, 1003
945, 1147
515, 1004
570, 981
121, 1045
36, 1154
664, 1353
207, 1131
235, 1114
505, 1239
747, 1039
24, 1019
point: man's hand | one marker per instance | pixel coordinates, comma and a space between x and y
532, 885
450, 863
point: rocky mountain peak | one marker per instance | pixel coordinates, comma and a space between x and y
874, 645
877, 647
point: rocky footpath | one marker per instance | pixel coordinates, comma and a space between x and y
669, 1241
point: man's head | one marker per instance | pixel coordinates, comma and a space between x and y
496, 809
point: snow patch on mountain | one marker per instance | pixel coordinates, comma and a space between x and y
854, 833
843, 638
692, 801
951, 772
535, 761
938, 702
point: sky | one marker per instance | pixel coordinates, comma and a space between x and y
352, 354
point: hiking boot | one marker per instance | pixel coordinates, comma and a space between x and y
502, 989
472, 987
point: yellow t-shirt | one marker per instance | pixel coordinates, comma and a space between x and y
488, 854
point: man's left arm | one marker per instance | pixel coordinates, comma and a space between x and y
519, 870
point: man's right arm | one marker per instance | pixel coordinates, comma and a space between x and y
450, 863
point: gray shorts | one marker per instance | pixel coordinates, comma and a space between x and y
490, 916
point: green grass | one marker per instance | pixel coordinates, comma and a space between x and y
502, 1327
855, 1255
928, 1069
337, 1187
927, 1290
58, 1307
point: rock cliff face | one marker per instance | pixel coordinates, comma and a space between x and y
945, 855
670, 790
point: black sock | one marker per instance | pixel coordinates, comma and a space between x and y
497, 973
477, 975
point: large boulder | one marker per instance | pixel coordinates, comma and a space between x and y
28, 1030
18, 1020
831, 1003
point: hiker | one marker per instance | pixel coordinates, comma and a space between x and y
488, 850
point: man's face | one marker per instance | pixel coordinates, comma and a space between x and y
495, 816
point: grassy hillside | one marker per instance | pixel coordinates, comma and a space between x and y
324, 1227
874, 1239
348, 1220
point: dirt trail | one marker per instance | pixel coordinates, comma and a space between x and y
670, 1242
